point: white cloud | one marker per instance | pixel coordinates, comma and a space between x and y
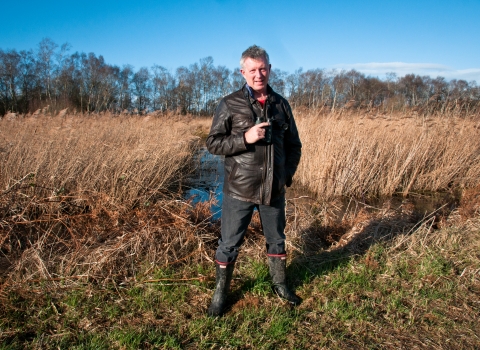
401, 69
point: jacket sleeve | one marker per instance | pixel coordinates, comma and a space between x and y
293, 147
221, 140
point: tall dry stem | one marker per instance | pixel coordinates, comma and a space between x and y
365, 156
74, 191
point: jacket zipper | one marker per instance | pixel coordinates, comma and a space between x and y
265, 155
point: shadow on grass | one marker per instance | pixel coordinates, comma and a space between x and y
326, 248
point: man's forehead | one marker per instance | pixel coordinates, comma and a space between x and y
256, 61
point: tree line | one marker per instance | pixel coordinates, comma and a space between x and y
50, 76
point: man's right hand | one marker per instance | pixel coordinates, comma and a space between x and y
256, 133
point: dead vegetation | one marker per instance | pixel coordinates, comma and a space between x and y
99, 197
96, 203
381, 155
80, 193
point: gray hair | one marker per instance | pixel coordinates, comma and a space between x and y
254, 52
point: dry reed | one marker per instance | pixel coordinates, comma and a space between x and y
370, 156
96, 200
98, 197
123, 158
94, 197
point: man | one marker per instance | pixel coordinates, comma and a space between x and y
254, 129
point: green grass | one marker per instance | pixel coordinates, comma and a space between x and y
418, 296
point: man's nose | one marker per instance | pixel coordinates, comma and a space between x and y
258, 74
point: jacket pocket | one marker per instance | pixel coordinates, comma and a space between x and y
245, 181
233, 170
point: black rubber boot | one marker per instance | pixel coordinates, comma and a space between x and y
278, 268
222, 286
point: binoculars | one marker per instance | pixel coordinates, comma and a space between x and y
268, 129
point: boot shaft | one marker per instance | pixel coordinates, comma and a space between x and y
278, 272
223, 277
278, 267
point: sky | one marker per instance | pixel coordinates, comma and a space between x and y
435, 38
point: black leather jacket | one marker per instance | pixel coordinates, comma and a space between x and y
255, 172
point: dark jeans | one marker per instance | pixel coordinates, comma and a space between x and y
236, 216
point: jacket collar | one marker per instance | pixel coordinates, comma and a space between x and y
270, 92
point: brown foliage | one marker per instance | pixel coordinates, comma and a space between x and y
94, 197
371, 155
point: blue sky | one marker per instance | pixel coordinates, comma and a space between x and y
422, 37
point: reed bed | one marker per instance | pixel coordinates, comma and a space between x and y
372, 156
124, 158
92, 196
98, 248
100, 196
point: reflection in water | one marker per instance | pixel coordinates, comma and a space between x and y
207, 181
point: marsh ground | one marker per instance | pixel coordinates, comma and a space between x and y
99, 248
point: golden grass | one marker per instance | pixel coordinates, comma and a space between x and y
99, 196
78, 192
123, 158
90, 207
370, 156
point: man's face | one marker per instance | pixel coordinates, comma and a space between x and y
256, 73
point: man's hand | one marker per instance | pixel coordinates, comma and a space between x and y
256, 133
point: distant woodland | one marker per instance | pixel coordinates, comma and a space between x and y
50, 76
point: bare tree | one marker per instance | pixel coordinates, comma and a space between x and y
46, 66
124, 82
277, 80
206, 81
142, 88
50, 75
340, 85
163, 88
222, 86
184, 91
9, 76
237, 80
28, 79
412, 87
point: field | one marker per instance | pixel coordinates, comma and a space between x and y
99, 249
